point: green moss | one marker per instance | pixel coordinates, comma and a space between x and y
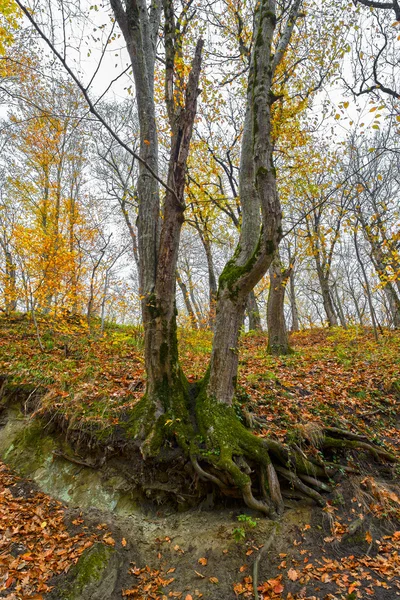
232, 272
164, 351
30, 449
89, 570
174, 423
151, 303
225, 437
272, 17
141, 418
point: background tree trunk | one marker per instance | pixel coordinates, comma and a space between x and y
293, 303
253, 313
278, 342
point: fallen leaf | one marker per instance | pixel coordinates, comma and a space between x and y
202, 561
293, 574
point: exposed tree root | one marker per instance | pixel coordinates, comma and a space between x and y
205, 475
358, 445
233, 459
302, 487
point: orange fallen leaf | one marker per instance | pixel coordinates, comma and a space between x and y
293, 574
109, 540
203, 561
213, 579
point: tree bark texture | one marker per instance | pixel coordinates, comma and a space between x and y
261, 211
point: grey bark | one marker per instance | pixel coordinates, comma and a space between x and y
158, 244
293, 304
11, 283
278, 342
253, 313
186, 299
367, 287
260, 205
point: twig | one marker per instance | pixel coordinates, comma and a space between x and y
256, 564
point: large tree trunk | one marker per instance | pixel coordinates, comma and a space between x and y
278, 341
158, 241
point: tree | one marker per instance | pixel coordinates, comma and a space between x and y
201, 420
375, 67
278, 342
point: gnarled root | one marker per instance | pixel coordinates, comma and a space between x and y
232, 457
229, 456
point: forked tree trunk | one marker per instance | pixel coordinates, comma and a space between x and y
261, 210
158, 243
207, 430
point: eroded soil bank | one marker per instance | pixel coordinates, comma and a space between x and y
129, 544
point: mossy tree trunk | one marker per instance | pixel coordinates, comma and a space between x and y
158, 239
261, 210
205, 426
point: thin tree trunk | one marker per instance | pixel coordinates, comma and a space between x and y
278, 342
327, 299
293, 303
338, 306
10, 288
186, 299
253, 313
367, 288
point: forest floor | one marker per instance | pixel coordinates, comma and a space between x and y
349, 549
